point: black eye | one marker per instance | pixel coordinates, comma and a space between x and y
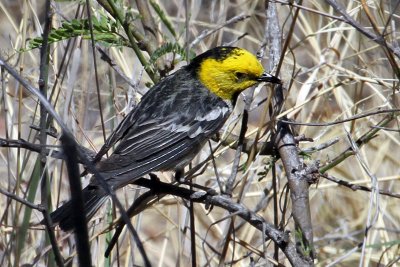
240, 75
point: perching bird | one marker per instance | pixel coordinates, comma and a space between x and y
172, 122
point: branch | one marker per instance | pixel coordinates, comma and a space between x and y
349, 20
137, 40
206, 33
81, 231
80, 153
356, 187
57, 154
352, 118
158, 189
365, 138
22, 201
286, 146
299, 189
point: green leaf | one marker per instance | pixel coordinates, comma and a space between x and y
163, 17
104, 31
165, 49
23, 229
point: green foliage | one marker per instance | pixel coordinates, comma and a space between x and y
243, 167
168, 48
268, 164
300, 240
163, 17
22, 233
104, 31
306, 155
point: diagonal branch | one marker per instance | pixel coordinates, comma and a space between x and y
158, 189
370, 35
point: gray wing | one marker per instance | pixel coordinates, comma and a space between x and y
157, 146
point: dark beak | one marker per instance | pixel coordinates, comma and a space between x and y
266, 77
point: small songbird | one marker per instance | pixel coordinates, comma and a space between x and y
172, 122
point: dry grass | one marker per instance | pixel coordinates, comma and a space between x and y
331, 72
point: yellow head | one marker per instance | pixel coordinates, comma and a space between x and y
227, 71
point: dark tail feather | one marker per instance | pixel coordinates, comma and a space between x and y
93, 198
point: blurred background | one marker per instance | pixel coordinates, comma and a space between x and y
330, 69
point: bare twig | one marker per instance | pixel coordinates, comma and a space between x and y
373, 200
386, 129
365, 138
261, 148
114, 66
374, 37
206, 33
133, 35
57, 154
352, 118
80, 154
321, 146
356, 187
43, 87
151, 31
281, 238
305, 8
146, 17
81, 231
235, 166
21, 200
96, 76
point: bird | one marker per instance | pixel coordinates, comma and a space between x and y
171, 123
